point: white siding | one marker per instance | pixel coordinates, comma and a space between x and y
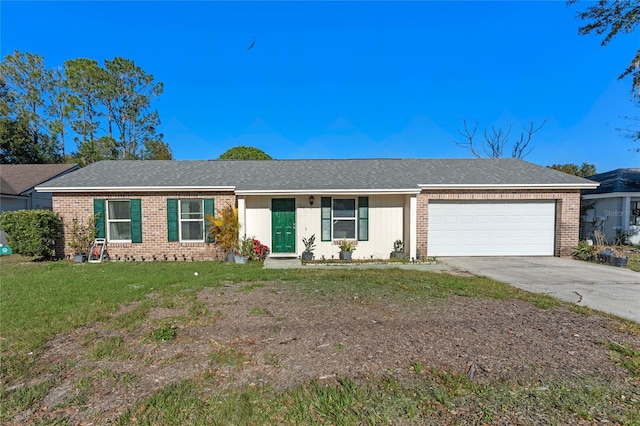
257, 220
386, 224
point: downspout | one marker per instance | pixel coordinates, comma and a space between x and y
242, 215
413, 227
626, 214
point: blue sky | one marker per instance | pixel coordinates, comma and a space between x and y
353, 79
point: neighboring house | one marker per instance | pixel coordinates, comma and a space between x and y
614, 207
438, 207
17, 183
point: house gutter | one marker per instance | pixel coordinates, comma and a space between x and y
317, 191
133, 188
611, 195
511, 186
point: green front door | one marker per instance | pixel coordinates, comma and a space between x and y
283, 225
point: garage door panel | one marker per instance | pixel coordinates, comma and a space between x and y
491, 229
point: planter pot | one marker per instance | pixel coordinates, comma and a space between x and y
345, 255
397, 255
307, 255
620, 262
230, 257
240, 259
78, 258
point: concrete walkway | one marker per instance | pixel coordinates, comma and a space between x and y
605, 288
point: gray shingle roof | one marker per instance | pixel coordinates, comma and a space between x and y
309, 175
618, 180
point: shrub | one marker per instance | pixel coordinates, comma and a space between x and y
32, 232
224, 229
253, 249
82, 236
585, 251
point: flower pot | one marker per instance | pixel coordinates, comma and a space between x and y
620, 262
307, 255
397, 254
240, 259
230, 257
345, 255
78, 258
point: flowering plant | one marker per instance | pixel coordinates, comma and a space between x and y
260, 250
253, 249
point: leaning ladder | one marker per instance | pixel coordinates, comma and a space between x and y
97, 252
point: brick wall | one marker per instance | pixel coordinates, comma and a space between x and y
567, 212
154, 224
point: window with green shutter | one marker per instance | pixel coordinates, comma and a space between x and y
209, 210
363, 218
344, 219
99, 213
119, 220
136, 220
172, 220
326, 218
186, 219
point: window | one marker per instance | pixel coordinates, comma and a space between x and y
343, 218
118, 220
187, 219
191, 220
635, 216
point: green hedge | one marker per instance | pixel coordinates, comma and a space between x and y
32, 232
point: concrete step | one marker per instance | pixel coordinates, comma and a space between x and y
282, 263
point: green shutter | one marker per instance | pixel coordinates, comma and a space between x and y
326, 218
135, 207
208, 211
363, 218
172, 219
98, 212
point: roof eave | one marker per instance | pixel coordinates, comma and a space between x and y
610, 195
512, 186
317, 191
132, 188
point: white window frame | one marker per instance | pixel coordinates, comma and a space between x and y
109, 221
335, 219
181, 220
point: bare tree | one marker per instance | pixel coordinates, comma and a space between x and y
496, 139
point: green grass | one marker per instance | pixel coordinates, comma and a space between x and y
227, 357
40, 300
67, 296
109, 349
164, 333
634, 262
626, 356
431, 397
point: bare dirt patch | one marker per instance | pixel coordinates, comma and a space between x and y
281, 337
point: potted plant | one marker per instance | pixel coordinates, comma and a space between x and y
245, 250
81, 238
224, 230
346, 248
398, 250
309, 246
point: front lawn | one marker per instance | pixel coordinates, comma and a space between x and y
156, 343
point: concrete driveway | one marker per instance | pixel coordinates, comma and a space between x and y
605, 288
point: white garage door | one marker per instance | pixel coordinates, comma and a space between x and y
491, 229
